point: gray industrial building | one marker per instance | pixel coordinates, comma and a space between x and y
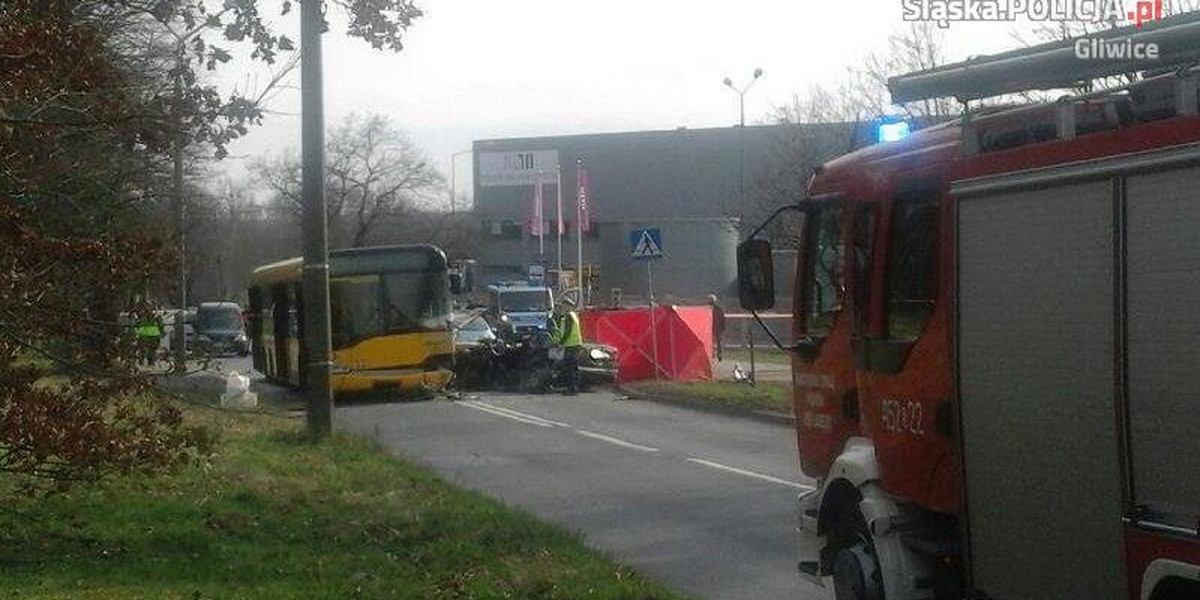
685, 182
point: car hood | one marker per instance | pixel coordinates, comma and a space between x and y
220, 333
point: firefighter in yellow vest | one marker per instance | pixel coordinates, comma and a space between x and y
567, 334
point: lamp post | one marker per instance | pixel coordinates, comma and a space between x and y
454, 178
741, 92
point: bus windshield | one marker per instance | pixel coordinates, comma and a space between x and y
525, 301
364, 306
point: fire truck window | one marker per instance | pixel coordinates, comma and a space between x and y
824, 269
912, 268
864, 245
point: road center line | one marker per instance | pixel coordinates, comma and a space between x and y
490, 411
709, 463
517, 413
617, 441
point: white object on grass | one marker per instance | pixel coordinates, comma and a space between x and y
237, 392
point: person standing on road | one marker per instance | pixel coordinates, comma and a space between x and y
568, 335
718, 325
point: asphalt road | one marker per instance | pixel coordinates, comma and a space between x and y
700, 502
703, 503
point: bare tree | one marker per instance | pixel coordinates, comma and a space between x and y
95, 98
372, 169
827, 121
862, 95
918, 47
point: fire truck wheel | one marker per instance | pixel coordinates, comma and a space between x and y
856, 573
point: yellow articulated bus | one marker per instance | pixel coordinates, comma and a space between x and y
389, 308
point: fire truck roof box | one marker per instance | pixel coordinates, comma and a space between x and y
1053, 64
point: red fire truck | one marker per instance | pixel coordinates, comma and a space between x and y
997, 355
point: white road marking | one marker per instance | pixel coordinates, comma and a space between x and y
517, 413
488, 409
709, 463
617, 441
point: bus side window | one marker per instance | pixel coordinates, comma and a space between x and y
912, 265
822, 285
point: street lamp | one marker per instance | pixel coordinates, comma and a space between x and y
741, 92
453, 178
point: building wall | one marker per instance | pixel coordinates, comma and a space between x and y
699, 258
685, 182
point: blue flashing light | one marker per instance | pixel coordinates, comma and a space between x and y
892, 131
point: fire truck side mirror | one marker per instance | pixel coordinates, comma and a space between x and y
756, 277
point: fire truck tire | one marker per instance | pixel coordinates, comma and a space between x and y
855, 564
856, 573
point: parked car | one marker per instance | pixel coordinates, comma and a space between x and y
597, 364
220, 329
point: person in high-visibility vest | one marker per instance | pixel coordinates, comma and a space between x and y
567, 334
149, 335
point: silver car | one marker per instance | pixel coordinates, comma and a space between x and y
470, 331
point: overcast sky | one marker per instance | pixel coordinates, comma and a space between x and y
479, 69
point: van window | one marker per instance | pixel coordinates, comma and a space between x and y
525, 301
912, 265
218, 318
823, 268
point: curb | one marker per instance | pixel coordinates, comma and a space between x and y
766, 416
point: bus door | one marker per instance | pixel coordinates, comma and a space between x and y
295, 368
280, 308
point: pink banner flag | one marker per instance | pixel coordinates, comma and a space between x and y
537, 221
585, 201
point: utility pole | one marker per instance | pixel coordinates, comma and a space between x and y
741, 92
316, 253
179, 336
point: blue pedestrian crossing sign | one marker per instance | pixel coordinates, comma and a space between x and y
646, 243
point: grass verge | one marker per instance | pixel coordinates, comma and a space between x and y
766, 395
274, 514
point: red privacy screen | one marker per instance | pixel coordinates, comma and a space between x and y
675, 339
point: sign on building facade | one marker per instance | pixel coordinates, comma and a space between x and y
517, 167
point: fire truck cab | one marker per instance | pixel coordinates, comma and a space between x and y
997, 341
